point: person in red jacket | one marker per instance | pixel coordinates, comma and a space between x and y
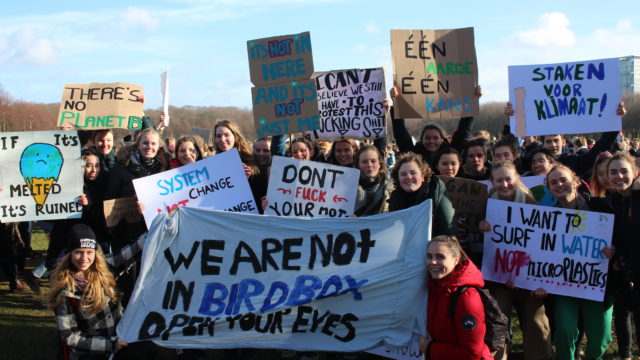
462, 337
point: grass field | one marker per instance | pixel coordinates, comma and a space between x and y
28, 330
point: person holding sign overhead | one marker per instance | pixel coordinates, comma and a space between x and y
528, 304
432, 136
416, 183
563, 184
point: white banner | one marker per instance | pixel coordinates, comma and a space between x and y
217, 182
546, 247
41, 175
351, 104
565, 98
311, 189
213, 279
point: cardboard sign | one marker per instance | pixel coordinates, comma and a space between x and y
282, 108
436, 73
351, 104
556, 249
311, 189
469, 199
213, 279
280, 59
41, 175
565, 98
101, 106
217, 182
119, 209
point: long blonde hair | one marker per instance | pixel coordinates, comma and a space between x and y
101, 285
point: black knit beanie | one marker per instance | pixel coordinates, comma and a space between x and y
81, 237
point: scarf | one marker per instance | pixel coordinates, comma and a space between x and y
143, 167
370, 195
401, 199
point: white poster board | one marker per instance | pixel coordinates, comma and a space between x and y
217, 182
311, 189
552, 248
351, 104
41, 175
565, 98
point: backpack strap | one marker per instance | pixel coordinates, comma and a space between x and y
454, 301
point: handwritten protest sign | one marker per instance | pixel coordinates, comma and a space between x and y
469, 199
408, 352
309, 188
280, 58
351, 104
281, 108
40, 175
217, 182
284, 97
121, 209
101, 106
213, 279
565, 98
436, 73
556, 249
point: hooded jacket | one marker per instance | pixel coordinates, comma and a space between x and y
462, 338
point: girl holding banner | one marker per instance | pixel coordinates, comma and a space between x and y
416, 183
84, 296
529, 305
563, 184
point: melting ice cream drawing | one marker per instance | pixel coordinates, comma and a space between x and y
40, 165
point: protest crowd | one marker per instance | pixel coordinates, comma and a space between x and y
93, 264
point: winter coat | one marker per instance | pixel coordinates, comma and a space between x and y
441, 210
372, 195
86, 333
626, 238
462, 338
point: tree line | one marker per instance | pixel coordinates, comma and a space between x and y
20, 115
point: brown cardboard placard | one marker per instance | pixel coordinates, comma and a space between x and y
280, 58
101, 106
469, 199
286, 107
436, 73
123, 208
